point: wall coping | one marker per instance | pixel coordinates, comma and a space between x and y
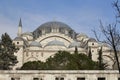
59, 72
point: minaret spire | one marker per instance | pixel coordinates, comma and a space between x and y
20, 28
20, 23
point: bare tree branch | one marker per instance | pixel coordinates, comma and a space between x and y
96, 36
115, 4
112, 37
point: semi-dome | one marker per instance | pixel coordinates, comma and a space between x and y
55, 43
74, 44
53, 26
35, 44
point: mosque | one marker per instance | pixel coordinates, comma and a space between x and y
53, 36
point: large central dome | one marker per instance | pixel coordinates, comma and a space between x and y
54, 24
55, 27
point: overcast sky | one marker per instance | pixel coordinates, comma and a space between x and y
80, 15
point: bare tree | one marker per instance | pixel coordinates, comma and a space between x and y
111, 34
112, 38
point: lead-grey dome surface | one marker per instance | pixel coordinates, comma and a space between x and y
35, 44
54, 24
48, 26
75, 44
55, 43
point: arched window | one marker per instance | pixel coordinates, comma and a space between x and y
48, 30
61, 30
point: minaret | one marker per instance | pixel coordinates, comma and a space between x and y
20, 28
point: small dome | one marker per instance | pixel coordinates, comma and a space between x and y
55, 43
91, 40
18, 39
105, 45
82, 35
28, 33
74, 44
35, 44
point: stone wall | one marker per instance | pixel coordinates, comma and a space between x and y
59, 75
